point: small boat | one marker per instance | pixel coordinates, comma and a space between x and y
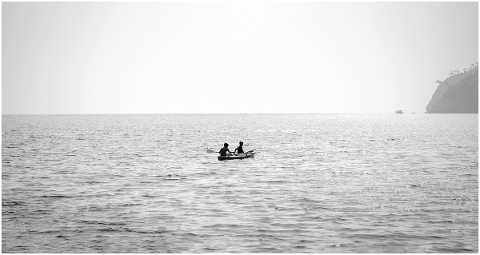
249, 154
399, 112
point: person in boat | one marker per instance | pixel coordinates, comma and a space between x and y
223, 151
239, 149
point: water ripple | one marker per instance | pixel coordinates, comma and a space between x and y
322, 183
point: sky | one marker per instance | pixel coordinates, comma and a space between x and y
231, 56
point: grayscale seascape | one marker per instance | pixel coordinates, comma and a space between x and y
319, 183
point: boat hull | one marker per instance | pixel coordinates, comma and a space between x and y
235, 157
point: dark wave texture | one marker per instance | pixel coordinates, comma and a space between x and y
321, 183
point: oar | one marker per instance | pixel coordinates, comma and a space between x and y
210, 150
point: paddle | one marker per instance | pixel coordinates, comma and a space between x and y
211, 151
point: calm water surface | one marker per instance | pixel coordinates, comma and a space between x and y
320, 183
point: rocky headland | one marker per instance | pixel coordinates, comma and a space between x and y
456, 94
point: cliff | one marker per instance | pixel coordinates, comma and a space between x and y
457, 94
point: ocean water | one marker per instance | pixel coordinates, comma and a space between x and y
319, 183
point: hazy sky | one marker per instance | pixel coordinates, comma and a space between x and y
231, 57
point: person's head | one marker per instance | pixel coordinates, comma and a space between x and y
225, 145
241, 143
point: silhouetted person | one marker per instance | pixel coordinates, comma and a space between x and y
239, 149
223, 151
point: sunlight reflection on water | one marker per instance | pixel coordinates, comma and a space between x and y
320, 183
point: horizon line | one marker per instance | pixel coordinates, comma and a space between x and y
220, 113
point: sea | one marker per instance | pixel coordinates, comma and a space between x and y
319, 183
